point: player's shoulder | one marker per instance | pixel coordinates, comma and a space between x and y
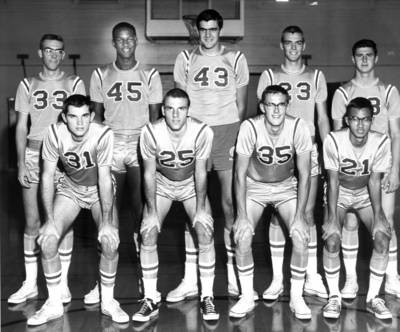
102, 70
99, 130
295, 122
197, 125
378, 138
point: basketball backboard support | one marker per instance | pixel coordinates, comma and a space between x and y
164, 18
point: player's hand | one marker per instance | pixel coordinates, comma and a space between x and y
241, 227
205, 220
24, 177
148, 223
391, 181
46, 231
108, 235
330, 227
300, 227
381, 224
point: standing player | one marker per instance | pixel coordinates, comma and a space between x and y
216, 80
386, 102
127, 95
175, 151
264, 174
308, 92
356, 159
40, 100
85, 150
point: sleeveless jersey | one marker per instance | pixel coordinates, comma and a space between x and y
176, 163
211, 83
305, 88
126, 95
81, 160
385, 99
272, 159
356, 164
43, 98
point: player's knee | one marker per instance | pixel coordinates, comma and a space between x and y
32, 226
243, 245
150, 238
381, 242
202, 235
332, 243
107, 249
298, 242
49, 247
350, 224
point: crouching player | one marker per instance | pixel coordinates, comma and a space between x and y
265, 161
175, 151
356, 159
85, 150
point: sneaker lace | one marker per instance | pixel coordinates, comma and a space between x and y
146, 305
209, 305
333, 304
379, 304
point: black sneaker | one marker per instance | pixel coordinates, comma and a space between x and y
208, 309
148, 310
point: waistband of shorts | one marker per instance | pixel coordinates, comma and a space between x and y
125, 137
34, 144
278, 183
67, 179
173, 183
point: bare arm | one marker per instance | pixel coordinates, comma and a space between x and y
323, 121
337, 124
106, 194
21, 134
149, 185
391, 182
200, 178
241, 101
331, 225
154, 111
99, 111
380, 222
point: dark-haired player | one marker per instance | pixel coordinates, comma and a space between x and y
216, 80
127, 95
386, 102
175, 151
269, 148
40, 99
308, 92
356, 159
85, 150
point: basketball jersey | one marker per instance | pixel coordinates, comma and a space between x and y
82, 159
126, 95
176, 163
42, 98
211, 83
305, 88
384, 98
272, 159
356, 164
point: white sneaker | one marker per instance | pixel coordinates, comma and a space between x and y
315, 286
182, 292
26, 292
233, 291
378, 308
242, 308
273, 291
333, 308
392, 286
48, 312
65, 294
113, 310
350, 288
93, 297
300, 308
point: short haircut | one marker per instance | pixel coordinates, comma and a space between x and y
292, 29
274, 89
210, 15
364, 43
359, 103
50, 36
177, 93
122, 26
77, 101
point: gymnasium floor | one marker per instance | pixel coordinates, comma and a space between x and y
183, 316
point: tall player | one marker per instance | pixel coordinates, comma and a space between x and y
175, 151
356, 159
269, 148
308, 92
40, 100
127, 95
216, 80
85, 150
386, 102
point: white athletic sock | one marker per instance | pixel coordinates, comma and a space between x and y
312, 252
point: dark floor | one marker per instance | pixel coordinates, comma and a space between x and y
177, 317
